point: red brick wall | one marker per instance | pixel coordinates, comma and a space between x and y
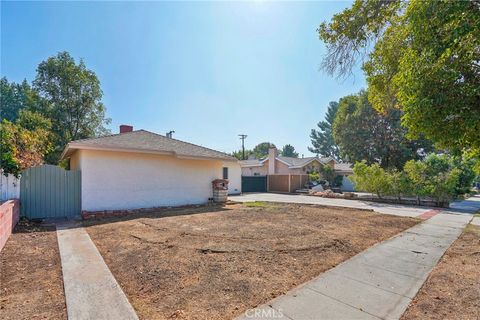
9, 215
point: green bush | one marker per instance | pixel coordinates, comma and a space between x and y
314, 176
371, 179
440, 177
398, 184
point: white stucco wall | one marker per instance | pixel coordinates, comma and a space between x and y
122, 180
234, 177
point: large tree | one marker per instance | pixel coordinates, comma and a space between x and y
420, 56
239, 154
73, 97
261, 149
363, 133
15, 97
25, 142
289, 151
322, 139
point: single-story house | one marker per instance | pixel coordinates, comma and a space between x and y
277, 164
142, 169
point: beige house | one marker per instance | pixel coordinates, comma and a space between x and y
142, 169
275, 164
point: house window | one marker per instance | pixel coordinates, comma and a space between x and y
225, 173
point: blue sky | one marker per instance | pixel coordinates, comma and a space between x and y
208, 70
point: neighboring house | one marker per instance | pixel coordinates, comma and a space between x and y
142, 169
276, 164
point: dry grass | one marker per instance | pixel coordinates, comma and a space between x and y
31, 283
215, 263
452, 291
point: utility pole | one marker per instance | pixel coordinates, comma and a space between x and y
243, 137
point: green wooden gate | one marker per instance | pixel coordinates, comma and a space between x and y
254, 183
50, 192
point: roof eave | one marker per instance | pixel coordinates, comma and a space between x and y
76, 146
251, 165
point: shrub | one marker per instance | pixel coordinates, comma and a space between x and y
399, 184
370, 178
314, 176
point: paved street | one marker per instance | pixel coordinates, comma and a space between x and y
399, 210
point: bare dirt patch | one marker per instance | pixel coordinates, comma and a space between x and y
452, 291
31, 283
217, 262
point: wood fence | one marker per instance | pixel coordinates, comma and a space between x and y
287, 183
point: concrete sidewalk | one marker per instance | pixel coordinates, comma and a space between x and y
378, 283
91, 291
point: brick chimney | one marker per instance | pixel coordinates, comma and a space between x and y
272, 154
125, 128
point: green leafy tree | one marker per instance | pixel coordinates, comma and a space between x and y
399, 184
373, 178
73, 97
322, 139
15, 97
239, 154
467, 175
420, 56
289, 151
362, 133
417, 175
328, 173
24, 143
261, 149
436, 177
314, 176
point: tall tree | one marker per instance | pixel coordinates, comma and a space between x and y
15, 97
322, 139
73, 94
422, 57
289, 151
261, 149
25, 142
239, 154
362, 133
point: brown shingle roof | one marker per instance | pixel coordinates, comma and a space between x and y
148, 142
344, 167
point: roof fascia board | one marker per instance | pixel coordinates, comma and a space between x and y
250, 165
76, 146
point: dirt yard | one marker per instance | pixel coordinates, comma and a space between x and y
215, 263
452, 291
31, 284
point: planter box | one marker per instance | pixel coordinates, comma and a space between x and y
9, 216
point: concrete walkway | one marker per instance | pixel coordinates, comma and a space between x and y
91, 291
395, 209
378, 283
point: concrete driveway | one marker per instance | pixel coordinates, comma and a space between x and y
395, 209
